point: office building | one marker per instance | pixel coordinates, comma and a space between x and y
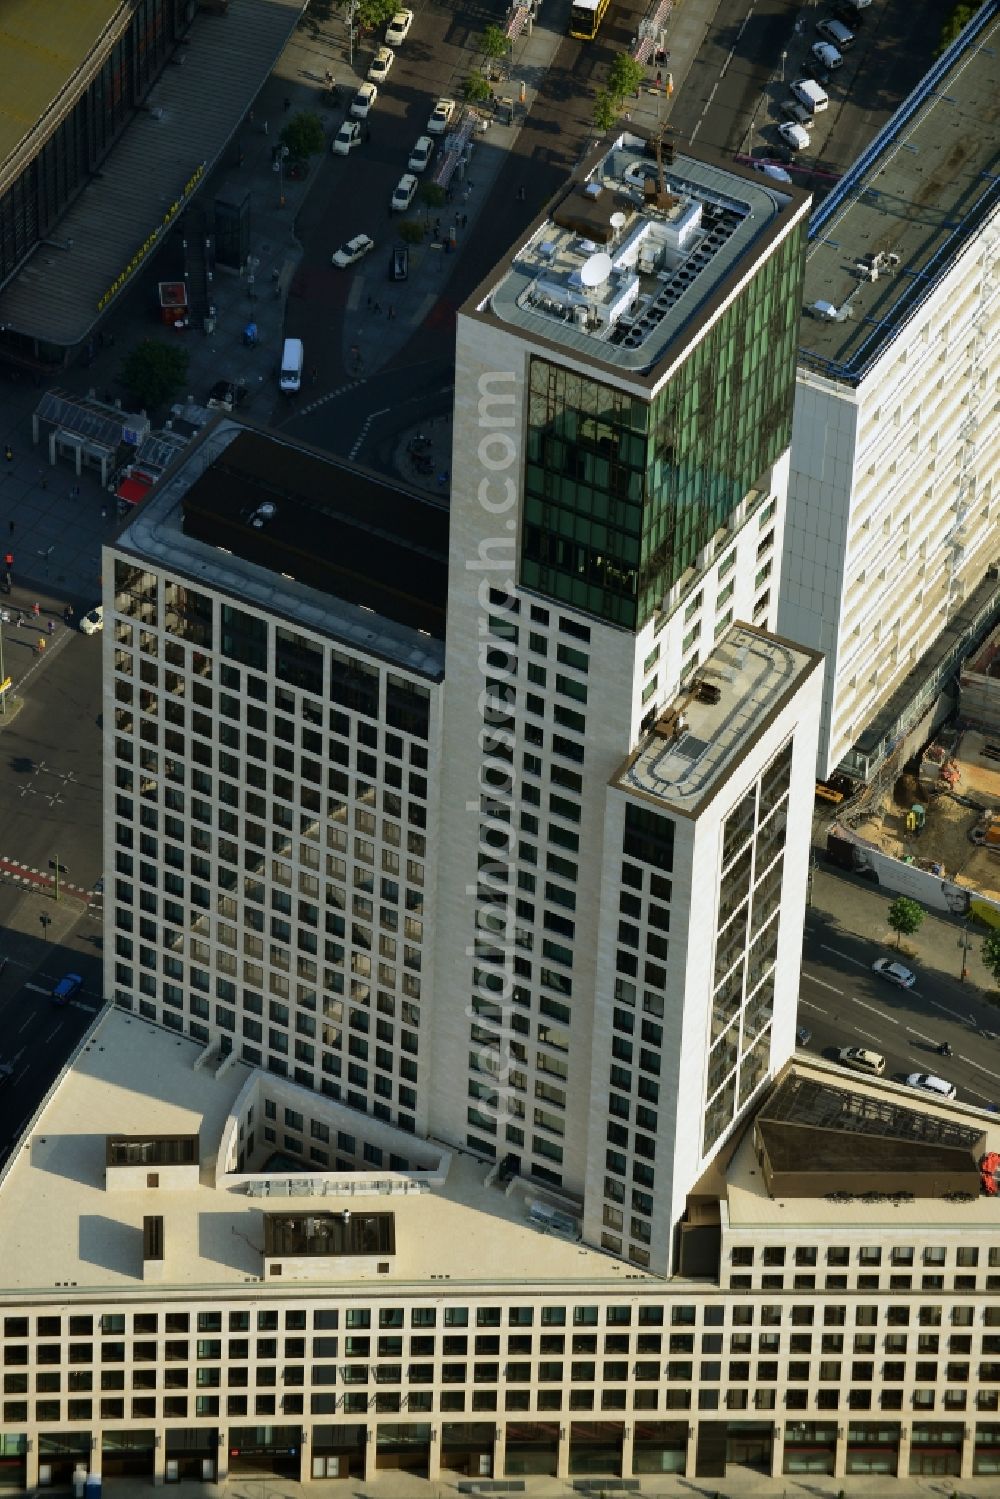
274, 650
514, 859
227, 1275
622, 420
894, 494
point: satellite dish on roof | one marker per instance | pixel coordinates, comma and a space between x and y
618, 220
596, 269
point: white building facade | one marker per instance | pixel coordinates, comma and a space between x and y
617, 504
894, 493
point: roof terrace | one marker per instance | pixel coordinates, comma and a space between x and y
628, 256
738, 690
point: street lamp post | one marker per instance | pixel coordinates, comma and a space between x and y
784, 59
3, 676
965, 942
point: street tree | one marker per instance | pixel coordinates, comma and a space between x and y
991, 954
904, 917
625, 76
154, 371
476, 89
606, 111
303, 135
371, 14
432, 194
493, 43
410, 231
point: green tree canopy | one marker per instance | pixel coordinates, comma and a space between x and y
991, 954
154, 371
476, 89
606, 111
410, 231
904, 916
303, 135
433, 194
493, 42
625, 76
371, 14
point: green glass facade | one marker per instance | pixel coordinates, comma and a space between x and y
620, 495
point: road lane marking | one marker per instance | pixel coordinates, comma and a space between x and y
882, 1014
53, 1034
822, 982
839, 954
30, 1018
37, 989
808, 1005
945, 1011
920, 1036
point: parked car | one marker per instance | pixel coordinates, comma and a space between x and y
68, 985
835, 32
364, 101
862, 1060
399, 263
421, 154
380, 64
931, 1084
404, 194
850, 16
399, 27
796, 136
828, 57
93, 622
772, 170
441, 116
896, 973
354, 250
350, 134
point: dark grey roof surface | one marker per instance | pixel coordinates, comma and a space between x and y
333, 527
56, 295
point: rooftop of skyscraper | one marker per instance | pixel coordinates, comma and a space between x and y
895, 224
693, 746
305, 537
71, 1219
636, 252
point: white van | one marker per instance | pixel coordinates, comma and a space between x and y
809, 93
292, 360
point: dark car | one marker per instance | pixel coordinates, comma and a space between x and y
226, 395
399, 263
849, 17
67, 986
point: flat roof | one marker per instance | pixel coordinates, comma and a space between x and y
906, 209
344, 552
61, 1232
168, 148
40, 58
894, 1113
616, 272
692, 748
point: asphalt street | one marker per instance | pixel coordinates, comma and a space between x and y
843, 1003
50, 792
729, 99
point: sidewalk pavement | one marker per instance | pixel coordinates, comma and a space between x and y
739, 1483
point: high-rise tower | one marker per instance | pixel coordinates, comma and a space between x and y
622, 423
